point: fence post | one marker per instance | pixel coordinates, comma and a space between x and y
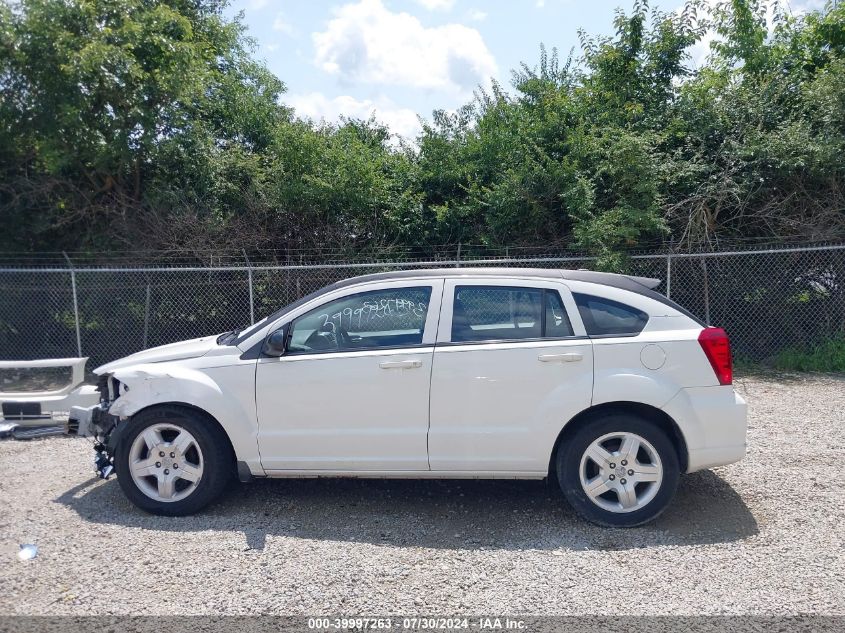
75, 305
287, 276
706, 291
249, 279
669, 276
458, 257
147, 317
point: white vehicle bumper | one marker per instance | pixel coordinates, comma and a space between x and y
713, 421
51, 406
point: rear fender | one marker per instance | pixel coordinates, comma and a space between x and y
653, 390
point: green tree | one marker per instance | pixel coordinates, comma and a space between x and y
149, 124
109, 105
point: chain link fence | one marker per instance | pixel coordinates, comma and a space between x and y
767, 300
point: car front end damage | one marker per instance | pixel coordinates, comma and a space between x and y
96, 422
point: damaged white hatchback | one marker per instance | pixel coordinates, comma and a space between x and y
592, 379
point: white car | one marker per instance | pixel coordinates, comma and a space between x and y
593, 379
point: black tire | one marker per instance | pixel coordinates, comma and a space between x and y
569, 463
218, 459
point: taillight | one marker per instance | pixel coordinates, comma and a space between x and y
717, 347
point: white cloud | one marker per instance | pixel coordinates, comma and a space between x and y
281, 25
540, 4
271, 48
477, 15
437, 5
367, 42
256, 5
315, 105
800, 7
700, 51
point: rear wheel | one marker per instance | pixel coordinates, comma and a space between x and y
173, 461
620, 471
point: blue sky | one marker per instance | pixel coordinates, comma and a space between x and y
401, 58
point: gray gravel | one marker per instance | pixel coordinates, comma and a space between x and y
764, 536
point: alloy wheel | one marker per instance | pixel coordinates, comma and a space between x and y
621, 472
166, 462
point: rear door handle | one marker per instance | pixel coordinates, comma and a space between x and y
400, 364
572, 357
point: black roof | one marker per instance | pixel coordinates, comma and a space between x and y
627, 282
640, 285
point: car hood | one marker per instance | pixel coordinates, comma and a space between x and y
174, 351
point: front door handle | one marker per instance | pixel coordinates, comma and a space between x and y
400, 364
572, 357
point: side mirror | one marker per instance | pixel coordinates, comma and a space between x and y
275, 343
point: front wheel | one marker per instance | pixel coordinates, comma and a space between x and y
172, 461
618, 471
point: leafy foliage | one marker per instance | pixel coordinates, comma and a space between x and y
148, 124
825, 356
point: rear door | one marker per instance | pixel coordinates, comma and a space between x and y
512, 364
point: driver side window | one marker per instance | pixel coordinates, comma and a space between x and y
393, 317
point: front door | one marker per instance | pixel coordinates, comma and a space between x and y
512, 365
351, 392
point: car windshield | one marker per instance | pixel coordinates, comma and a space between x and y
256, 327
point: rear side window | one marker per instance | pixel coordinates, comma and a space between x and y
603, 317
497, 313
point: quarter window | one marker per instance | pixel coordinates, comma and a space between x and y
604, 317
556, 321
495, 313
393, 317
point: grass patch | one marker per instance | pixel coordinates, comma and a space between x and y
826, 356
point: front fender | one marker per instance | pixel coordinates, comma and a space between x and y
155, 384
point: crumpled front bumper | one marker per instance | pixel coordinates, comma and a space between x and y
95, 420
90, 421
79, 421
98, 423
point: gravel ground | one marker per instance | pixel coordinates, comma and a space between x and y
762, 537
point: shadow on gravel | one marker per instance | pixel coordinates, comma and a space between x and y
513, 515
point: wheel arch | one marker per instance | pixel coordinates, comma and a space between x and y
212, 481
117, 434
645, 411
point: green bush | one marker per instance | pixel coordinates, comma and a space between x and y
153, 124
826, 356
